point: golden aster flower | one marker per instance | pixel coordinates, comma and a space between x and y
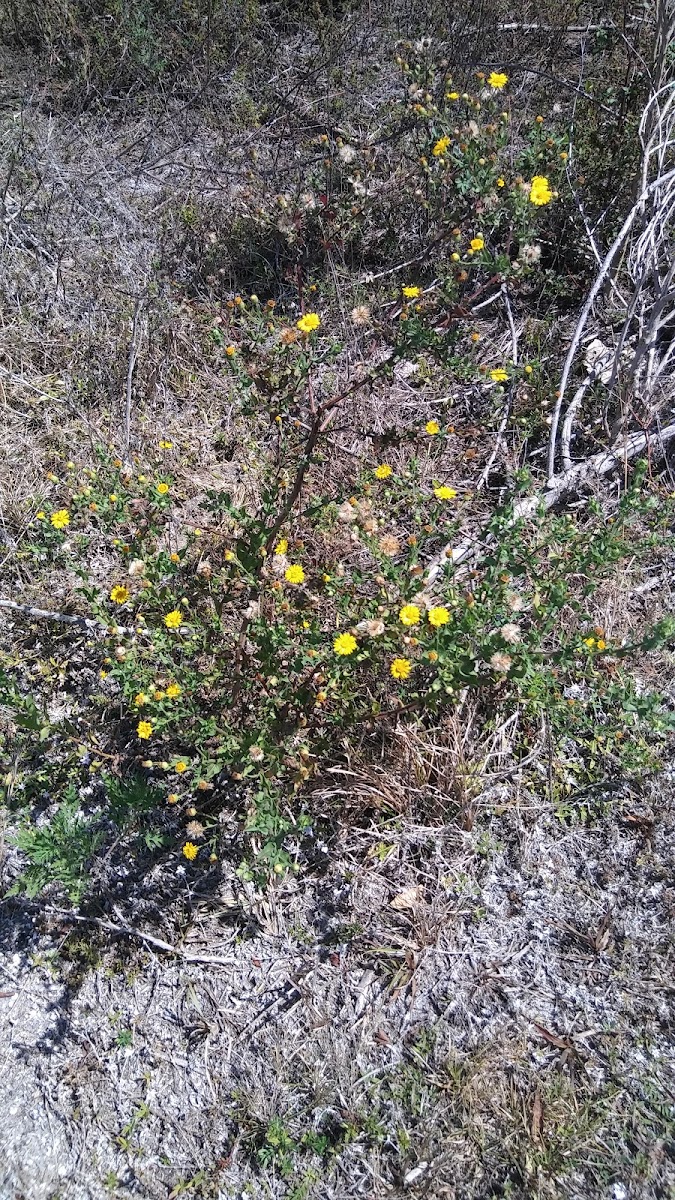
344, 644
165, 445
510, 633
540, 192
229, 556
477, 243
389, 545
120, 594
173, 691
452, 96
294, 574
440, 147
162, 488
497, 80
409, 615
140, 699
190, 851
501, 662
444, 493
432, 427
411, 293
515, 602
60, 518
113, 497
433, 656
499, 375
180, 767
309, 322
400, 668
361, 315
281, 547
373, 628
175, 558
230, 351
500, 182
144, 730
172, 798
40, 516
438, 616
174, 619
601, 644
383, 471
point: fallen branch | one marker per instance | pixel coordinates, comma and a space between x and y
133, 354
557, 487
130, 931
43, 614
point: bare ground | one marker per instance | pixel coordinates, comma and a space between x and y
508, 1034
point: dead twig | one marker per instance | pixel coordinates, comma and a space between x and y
131, 363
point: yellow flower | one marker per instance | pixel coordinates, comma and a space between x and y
180, 767
165, 445
172, 798
345, 643
540, 192
452, 96
411, 293
175, 558
444, 493
158, 694
190, 851
309, 322
440, 147
432, 427
409, 614
499, 375
500, 182
477, 243
294, 574
162, 488
173, 690
590, 642
383, 471
120, 594
40, 516
438, 616
60, 518
144, 730
281, 547
230, 351
601, 644
400, 668
497, 81
174, 619
140, 699
229, 556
